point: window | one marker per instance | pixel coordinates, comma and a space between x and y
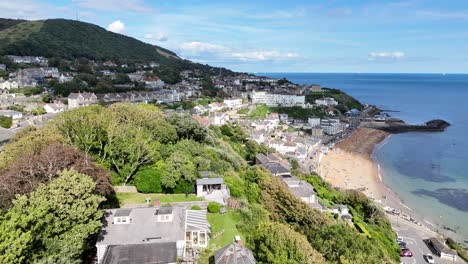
202, 239
119, 219
195, 238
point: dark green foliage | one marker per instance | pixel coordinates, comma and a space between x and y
214, 207
121, 78
188, 128
208, 88
6, 23
184, 186
47, 98
5, 121
299, 112
345, 101
28, 90
148, 181
462, 252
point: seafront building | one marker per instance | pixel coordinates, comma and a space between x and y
282, 99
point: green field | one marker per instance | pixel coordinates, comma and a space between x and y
140, 198
226, 222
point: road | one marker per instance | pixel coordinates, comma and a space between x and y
413, 235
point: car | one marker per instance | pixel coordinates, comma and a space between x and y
406, 253
399, 239
430, 259
402, 244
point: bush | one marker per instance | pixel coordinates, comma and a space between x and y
5, 121
214, 207
148, 181
196, 207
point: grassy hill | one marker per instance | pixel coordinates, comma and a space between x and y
69, 39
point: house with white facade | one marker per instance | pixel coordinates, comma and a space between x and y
10, 113
277, 99
55, 108
76, 100
314, 121
302, 190
8, 84
151, 234
327, 101
233, 103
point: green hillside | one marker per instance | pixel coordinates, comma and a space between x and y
6, 23
69, 39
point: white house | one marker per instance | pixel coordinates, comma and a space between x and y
314, 121
151, 233
10, 113
277, 99
65, 77
233, 103
54, 108
8, 84
81, 99
302, 190
328, 101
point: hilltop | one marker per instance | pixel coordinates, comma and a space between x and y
70, 39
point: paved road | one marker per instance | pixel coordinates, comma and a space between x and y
413, 235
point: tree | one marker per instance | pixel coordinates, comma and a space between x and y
27, 172
277, 243
54, 219
148, 180
188, 128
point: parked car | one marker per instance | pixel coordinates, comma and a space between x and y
402, 244
399, 239
406, 253
430, 259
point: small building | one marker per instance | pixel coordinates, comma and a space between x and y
353, 113
233, 103
441, 249
328, 101
302, 190
54, 108
340, 209
314, 121
277, 169
10, 113
234, 253
213, 189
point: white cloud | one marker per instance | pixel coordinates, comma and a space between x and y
208, 51
264, 55
112, 5
386, 55
25, 9
117, 27
196, 48
161, 36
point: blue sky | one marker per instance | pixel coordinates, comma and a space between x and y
284, 36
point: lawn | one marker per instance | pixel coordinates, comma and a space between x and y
140, 198
226, 222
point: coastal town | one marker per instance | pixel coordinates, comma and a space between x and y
305, 129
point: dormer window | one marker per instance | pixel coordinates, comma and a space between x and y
122, 216
164, 214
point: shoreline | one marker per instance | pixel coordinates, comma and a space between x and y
352, 164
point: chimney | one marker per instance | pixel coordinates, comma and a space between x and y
238, 240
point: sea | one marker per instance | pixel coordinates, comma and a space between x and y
428, 171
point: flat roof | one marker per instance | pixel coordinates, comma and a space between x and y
150, 253
209, 181
122, 212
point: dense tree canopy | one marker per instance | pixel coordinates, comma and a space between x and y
52, 223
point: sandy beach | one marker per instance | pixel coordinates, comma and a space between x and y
349, 164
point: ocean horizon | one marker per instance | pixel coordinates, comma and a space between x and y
428, 171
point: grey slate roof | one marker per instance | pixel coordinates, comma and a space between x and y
234, 254
165, 210
143, 227
6, 134
150, 253
276, 169
209, 181
123, 212
305, 189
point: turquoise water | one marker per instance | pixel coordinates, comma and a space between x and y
428, 171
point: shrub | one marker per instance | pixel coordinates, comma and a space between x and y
148, 181
196, 207
214, 207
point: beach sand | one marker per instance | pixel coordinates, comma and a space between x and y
349, 165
